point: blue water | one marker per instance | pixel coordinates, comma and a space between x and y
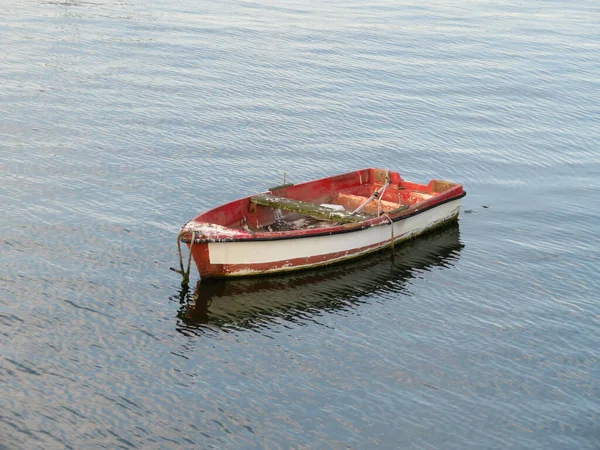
119, 121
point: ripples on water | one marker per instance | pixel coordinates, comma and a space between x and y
122, 120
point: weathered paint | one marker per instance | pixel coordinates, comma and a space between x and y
240, 251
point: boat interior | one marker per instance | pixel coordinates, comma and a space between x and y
346, 198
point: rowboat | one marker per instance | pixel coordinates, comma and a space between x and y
251, 302
325, 221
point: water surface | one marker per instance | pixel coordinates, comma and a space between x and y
122, 120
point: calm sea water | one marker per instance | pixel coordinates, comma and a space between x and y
121, 120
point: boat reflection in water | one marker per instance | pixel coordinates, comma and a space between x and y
253, 303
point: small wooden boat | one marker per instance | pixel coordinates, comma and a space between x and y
319, 222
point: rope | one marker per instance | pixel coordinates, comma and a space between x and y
179, 253
392, 225
185, 274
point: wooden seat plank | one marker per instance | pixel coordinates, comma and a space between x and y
308, 209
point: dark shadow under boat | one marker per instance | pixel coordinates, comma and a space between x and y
253, 303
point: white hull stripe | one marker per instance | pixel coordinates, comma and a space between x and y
260, 252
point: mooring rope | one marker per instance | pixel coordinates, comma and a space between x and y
392, 225
185, 274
